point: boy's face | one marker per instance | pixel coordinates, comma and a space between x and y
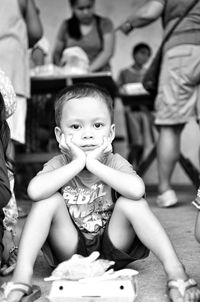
88, 121
141, 56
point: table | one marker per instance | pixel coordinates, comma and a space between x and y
134, 100
52, 85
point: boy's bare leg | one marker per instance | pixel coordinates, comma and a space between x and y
47, 217
151, 233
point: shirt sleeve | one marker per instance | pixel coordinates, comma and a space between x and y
106, 25
53, 164
118, 162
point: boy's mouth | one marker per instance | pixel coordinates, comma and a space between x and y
88, 147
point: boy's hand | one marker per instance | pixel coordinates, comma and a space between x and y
101, 152
71, 150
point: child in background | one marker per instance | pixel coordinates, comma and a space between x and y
140, 119
74, 210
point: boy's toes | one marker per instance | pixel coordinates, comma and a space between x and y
192, 295
175, 296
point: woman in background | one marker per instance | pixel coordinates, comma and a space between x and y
94, 34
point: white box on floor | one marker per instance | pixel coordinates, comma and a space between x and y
118, 289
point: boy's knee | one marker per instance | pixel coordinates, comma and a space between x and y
52, 202
128, 204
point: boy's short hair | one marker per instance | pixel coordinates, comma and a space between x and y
79, 91
139, 46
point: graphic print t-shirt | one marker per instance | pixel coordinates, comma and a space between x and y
88, 199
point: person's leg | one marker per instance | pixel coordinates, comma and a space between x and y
168, 150
197, 227
135, 216
138, 215
147, 132
48, 217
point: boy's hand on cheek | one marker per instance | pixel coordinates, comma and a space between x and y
101, 152
71, 150
75, 152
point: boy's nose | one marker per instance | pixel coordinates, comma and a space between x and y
88, 133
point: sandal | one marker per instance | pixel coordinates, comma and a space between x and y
9, 266
182, 286
30, 293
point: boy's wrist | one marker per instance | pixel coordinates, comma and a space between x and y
91, 162
80, 162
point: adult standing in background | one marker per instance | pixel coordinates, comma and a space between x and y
20, 29
178, 97
92, 33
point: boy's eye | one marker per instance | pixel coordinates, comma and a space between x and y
75, 126
98, 125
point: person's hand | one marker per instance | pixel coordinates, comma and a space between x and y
126, 27
72, 151
101, 152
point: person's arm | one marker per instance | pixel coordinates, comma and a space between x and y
30, 14
47, 183
44, 185
129, 185
143, 16
59, 45
107, 52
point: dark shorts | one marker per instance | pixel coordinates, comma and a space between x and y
103, 244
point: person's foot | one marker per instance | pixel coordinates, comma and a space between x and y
8, 267
16, 291
167, 199
183, 290
21, 212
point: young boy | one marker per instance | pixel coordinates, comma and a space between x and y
73, 209
141, 54
139, 119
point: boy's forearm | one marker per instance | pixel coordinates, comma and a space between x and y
128, 185
46, 184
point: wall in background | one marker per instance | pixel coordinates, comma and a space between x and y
53, 12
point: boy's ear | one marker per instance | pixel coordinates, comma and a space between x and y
58, 133
112, 132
